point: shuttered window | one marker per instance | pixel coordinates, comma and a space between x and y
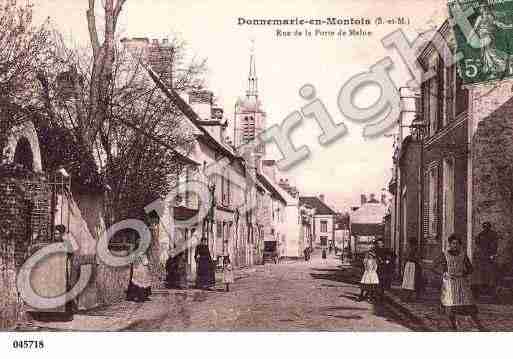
425, 100
433, 101
440, 92
450, 95
461, 96
431, 200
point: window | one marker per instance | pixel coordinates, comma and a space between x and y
225, 188
433, 103
450, 95
324, 226
461, 101
448, 200
431, 203
219, 230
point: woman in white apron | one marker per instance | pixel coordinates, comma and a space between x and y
139, 288
413, 281
369, 282
456, 295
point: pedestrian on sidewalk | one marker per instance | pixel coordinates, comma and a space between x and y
139, 288
370, 280
413, 281
386, 262
456, 296
306, 253
487, 242
205, 278
227, 272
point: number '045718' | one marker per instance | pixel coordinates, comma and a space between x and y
28, 344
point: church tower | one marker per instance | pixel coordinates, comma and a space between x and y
249, 117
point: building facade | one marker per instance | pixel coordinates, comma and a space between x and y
323, 224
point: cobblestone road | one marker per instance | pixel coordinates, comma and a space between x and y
294, 296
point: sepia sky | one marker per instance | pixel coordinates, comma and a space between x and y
342, 170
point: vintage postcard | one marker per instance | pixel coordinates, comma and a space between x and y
244, 166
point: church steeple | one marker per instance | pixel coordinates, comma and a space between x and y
252, 78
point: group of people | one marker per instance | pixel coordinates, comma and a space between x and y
206, 268
453, 267
139, 287
378, 265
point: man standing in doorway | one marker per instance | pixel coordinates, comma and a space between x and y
487, 242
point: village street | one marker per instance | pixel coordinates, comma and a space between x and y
293, 296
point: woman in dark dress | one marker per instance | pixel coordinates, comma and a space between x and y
172, 271
204, 278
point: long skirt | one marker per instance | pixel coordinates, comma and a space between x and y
228, 276
137, 293
456, 296
370, 278
409, 276
205, 275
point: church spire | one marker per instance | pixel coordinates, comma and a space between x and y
252, 79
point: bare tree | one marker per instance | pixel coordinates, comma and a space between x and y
140, 141
102, 66
21, 47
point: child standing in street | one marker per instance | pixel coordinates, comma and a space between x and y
370, 280
227, 272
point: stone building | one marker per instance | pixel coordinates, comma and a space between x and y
366, 223
444, 104
323, 224
409, 197
467, 151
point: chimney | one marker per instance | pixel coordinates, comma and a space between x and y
137, 46
321, 197
160, 56
69, 84
201, 103
363, 198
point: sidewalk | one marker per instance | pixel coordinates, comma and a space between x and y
117, 316
425, 310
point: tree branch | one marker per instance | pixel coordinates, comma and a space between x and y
93, 32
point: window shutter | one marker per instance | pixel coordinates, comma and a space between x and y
449, 95
425, 103
425, 219
441, 100
434, 207
431, 203
461, 95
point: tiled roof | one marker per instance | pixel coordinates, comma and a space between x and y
191, 115
320, 207
271, 187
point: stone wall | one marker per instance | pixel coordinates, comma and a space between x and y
24, 218
492, 170
12, 207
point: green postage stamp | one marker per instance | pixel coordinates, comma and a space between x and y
487, 47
